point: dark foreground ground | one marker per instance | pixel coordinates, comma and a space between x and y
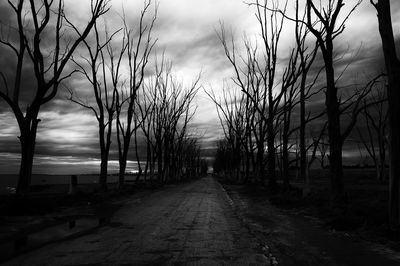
204, 223
187, 224
296, 238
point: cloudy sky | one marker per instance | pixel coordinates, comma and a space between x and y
186, 30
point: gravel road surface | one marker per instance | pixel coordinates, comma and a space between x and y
186, 224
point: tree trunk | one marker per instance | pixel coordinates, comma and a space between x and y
271, 155
160, 173
122, 167
377, 171
27, 141
260, 162
285, 164
247, 167
103, 170
123, 161
285, 141
152, 166
393, 92
285, 148
165, 155
382, 174
271, 138
140, 171
238, 159
335, 139
121, 175
394, 172
104, 152
148, 159
307, 184
303, 151
139, 174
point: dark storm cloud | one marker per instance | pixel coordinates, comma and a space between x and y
8, 133
64, 128
5, 12
7, 68
8, 63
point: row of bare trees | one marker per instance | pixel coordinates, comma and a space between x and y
165, 111
130, 101
116, 93
266, 120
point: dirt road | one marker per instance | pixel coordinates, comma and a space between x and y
186, 224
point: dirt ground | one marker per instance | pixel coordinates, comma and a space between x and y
205, 223
186, 224
298, 239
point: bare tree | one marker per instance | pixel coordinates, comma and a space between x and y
40, 24
147, 114
271, 36
296, 91
375, 118
255, 93
290, 93
393, 91
258, 80
96, 71
325, 24
230, 110
306, 61
169, 110
138, 48
318, 144
322, 147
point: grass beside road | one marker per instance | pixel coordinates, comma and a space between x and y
364, 215
45, 199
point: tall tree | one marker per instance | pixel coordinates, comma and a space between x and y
166, 106
392, 63
257, 79
39, 25
147, 114
139, 47
271, 28
375, 118
233, 115
306, 60
325, 24
95, 69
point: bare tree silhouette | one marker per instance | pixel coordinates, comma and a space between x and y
166, 110
258, 80
233, 112
138, 51
325, 24
306, 60
392, 63
95, 68
375, 118
40, 24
